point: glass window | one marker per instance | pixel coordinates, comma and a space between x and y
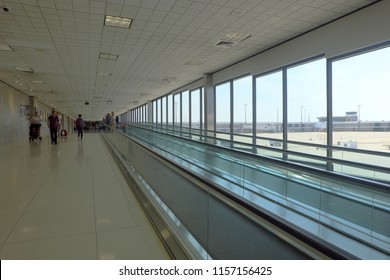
242, 116
155, 111
158, 111
195, 109
269, 105
361, 87
164, 110
222, 110
185, 108
176, 109
306, 97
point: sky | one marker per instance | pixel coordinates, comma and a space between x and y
363, 80
360, 83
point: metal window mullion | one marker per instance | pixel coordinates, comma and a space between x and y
190, 109
329, 112
285, 106
231, 110
254, 113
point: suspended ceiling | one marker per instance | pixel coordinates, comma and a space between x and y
63, 53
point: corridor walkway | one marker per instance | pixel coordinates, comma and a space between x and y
70, 201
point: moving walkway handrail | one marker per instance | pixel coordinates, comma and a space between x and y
206, 134
373, 185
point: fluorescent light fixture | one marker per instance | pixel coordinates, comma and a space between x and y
25, 69
117, 21
108, 56
225, 44
5, 47
37, 82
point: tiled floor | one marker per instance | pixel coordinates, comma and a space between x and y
70, 201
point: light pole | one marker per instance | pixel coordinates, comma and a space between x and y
358, 117
301, 118
245, 112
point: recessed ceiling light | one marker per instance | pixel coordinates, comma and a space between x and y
5, 47
108, 56
117, 21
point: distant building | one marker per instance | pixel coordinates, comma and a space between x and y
349, 117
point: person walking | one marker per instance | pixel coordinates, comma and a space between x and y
53, 123
80, 127
113, 123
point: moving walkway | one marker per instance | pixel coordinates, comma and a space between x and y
226, 202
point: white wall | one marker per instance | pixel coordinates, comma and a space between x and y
14, 124
361, 29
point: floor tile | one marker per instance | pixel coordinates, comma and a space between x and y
127, 244
70, 201
7, 223
39, 225
46, 201
74, 247
121, 216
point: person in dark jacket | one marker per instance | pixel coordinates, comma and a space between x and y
80, 127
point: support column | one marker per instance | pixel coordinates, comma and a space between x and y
32, 108
329, 113
150, 111
209, 102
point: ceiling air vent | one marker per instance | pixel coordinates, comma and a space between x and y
231, 39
